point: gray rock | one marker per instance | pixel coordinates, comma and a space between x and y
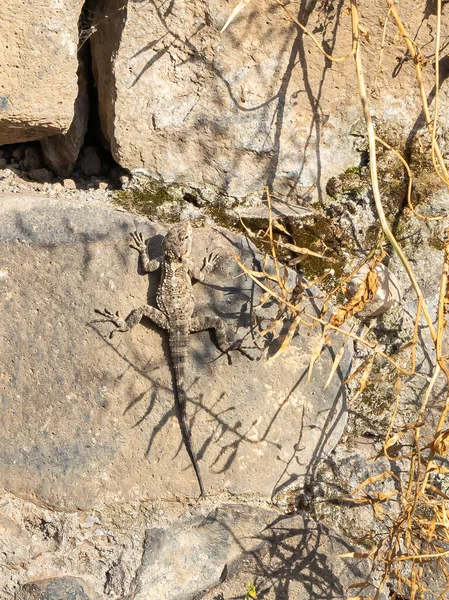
278, 210
60, 588
19, 152
3, 163
89, 162
32, 159
42, 175
298, 559
185, 559
87, 420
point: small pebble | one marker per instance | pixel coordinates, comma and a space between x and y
69, 184
58, 187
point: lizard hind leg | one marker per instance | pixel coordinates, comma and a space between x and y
154, 314
221, 333
134, 317
224, 341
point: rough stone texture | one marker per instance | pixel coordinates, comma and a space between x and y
205, 547
299, 560
61, 151
255, 105
186, 548
87, 420
38, 64
60, 588
32, 158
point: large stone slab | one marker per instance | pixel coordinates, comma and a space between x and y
256, 105
87, 420
38, 63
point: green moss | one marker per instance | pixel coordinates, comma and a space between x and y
322, 235
352, 183
435, 240
221, 215
152, 199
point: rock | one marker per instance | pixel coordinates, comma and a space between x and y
3, 163
59, 588
38, 63
69, 184
124, 181
89, 162
298, 560
58, 187
43, 175
5, 173
15, 544
19, 152
197, 109
388, 294
102, 428
278, 210
206, 547
32, 159
103, 185
61, 151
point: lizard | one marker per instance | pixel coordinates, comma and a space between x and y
175, 313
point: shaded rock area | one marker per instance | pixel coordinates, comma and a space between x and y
298, 560
38, 86
88, 420
206, 549
61, 588
22, 171
61, 151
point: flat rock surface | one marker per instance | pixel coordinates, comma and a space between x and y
87, 420
38, 62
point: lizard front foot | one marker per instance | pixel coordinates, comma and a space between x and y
138, 242
116, 319
211, 261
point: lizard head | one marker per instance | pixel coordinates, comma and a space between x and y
178, 241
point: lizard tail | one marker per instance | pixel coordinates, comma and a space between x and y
179, 357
